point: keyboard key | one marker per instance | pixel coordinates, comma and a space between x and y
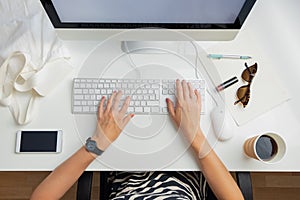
164, 110
138, 109
97, 91
91, 91
147, 109
155, 109
93, 108
100, 85
87, 97
130, 109
152, 97
77, 91
82, 85
152, 103
77, 109
86, 109
155, 86
78, 97
77, 103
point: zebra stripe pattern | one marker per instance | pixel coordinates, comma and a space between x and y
157, 185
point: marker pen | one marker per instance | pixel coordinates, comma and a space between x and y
228, 83
219, 56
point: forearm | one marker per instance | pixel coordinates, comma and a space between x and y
216, 174
64, 176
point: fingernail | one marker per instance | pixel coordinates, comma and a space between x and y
167, 100
132, 115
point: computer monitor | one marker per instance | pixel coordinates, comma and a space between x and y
199, 20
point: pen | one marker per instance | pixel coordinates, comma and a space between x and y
219, 56
227, 83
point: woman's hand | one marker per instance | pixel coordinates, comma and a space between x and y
111, 120
186, 115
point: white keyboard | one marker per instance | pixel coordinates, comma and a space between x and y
148, 96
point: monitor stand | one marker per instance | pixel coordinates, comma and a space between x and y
152, 47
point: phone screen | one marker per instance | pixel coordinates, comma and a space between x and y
38, 141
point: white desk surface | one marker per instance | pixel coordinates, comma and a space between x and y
273, 26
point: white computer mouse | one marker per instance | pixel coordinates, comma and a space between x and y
222, 123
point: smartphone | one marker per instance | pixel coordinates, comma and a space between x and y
39, 141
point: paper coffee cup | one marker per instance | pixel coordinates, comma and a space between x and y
267, 147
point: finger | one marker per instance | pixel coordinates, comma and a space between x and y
100, 107
171, 108
178, 109
179, 90
110, 101
117, 100
191, 92
198, 97
125, 105
127, 119
185, 90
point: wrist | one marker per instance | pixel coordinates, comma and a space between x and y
200, 145
197, 141
91, 146
102, 141
93, 155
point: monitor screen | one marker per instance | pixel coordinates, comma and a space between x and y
149, 11
177, 14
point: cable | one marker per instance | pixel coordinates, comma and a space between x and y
196, 70
132, 63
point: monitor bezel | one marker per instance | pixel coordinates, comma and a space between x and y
51, 12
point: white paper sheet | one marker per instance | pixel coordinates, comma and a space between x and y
267, 91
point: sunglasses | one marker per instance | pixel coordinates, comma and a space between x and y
243, 93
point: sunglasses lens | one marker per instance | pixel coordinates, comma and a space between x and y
246, 75
243, 94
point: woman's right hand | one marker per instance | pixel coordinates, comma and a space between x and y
186, 114
111, 120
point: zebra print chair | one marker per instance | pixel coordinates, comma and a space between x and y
84, 186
